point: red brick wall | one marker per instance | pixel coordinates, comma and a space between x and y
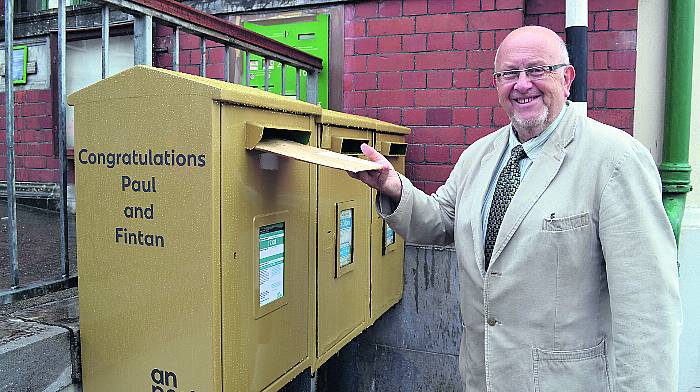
34, 138
612, 54
427, 64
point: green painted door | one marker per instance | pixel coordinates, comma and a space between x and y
309, 36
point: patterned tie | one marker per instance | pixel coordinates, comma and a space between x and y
507, 184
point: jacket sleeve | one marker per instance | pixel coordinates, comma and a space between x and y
424, 219
640, 255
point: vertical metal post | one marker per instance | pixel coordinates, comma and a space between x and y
247, 68
203, 57
143, 39
105, 41
266, 65
63, 207
577, 43
284, 80
298, 84
227, 63
312, 86
176, 48
10, 144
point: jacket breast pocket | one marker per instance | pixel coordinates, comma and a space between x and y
583, 370
566, 223
570, 239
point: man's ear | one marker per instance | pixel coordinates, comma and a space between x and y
569, 75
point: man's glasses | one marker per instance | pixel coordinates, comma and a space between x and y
532, 73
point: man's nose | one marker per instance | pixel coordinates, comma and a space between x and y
523, 82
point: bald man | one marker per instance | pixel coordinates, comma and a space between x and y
567, 260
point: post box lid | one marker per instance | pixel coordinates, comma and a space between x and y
387, 127
142, 81
331, 117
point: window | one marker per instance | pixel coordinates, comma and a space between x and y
84, 67
41, 5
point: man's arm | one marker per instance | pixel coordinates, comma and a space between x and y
417, 217
640, 255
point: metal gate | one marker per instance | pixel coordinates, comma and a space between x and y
144, 14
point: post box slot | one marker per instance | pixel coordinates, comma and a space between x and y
393, 149
299, 136
293, 143
347, 146
255, 133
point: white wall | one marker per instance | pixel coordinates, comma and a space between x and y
648, 128
651, 75
689, 244
694, 197
84, 67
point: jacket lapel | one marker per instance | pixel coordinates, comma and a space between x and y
540, 175
481, 185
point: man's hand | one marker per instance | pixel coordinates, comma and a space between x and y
386, 180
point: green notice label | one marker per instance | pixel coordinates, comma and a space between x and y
271, 244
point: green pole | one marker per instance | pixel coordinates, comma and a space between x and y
674, 169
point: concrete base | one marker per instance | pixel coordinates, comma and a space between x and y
33, 357
415, 345
39, 346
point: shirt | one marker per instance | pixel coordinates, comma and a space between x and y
532, 147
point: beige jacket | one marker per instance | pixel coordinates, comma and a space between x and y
582, 290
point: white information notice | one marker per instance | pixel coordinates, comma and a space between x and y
271, 240
389, 235
345, 236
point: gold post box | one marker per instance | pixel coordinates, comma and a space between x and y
344, 216
196, 248
387, 247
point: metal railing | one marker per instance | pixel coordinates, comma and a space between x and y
183, 19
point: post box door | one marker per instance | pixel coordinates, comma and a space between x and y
343, 246
266, 243
387, 246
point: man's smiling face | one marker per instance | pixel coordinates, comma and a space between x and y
532, 105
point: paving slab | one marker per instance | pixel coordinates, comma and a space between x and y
63, 312
34, 356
